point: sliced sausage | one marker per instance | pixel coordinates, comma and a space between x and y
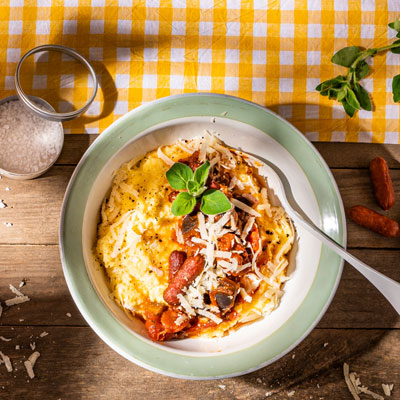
376, 222
172, 196
176, 259
154, 327
171, 323
186, 274
382, 183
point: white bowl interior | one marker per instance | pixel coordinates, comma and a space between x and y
304, 257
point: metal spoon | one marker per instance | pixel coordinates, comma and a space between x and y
388, 287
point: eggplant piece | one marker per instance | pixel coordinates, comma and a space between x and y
188, 223
224, 295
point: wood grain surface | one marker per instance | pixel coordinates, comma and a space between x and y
359, 328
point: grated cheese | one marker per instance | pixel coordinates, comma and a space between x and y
247, 227
43, 334
17, 300
179, 236
223, 254
349, 384
15, 291
184, 148
6, 361
245, 295
163, 157
203, 151
129, 189
202, 226
4, 339
245, 208
387, 389
209, 315
156, 270
30, 363
184, 303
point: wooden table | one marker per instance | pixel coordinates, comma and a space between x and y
360, 327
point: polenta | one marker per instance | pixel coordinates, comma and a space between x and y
195, 274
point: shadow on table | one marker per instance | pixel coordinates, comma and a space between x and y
316, 362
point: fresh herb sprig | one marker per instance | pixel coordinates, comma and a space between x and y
346, 88
181, 177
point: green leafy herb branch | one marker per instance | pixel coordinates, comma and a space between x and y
181, 177
346, 88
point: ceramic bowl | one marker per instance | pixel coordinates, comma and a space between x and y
314, 270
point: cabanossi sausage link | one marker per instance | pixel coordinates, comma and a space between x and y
383, 187
176, 259
186, 274
376, 222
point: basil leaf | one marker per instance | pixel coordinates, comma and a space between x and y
214, 202
346, 56
342, 93
396, 50
362, 97
362, 70
396, 88
332, 93
335, 82
398, 34
348, 108
192, 187
201, 174
178, 175
183, 204
351, 99
395, 25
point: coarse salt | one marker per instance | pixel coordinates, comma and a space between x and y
30, 143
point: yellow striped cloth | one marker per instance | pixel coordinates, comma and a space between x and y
268, 51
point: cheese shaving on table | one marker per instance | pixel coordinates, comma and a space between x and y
4, 339
15, 291
7, 362
43, 334
163, 157
245, 208
17, 300
30, 363
387, 389
355, 386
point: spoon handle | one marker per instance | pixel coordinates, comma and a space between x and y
388, 287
